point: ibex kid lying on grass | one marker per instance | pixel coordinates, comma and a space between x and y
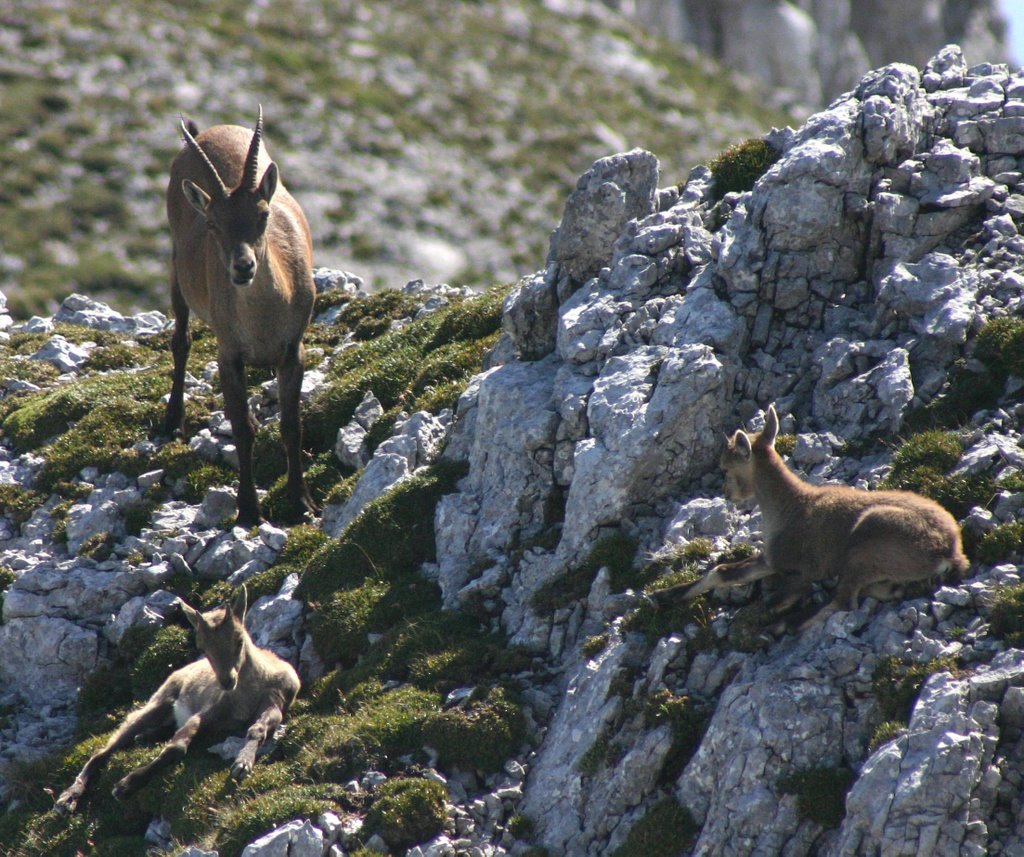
241, 259
237, 685
859, 538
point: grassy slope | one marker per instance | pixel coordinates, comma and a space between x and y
353, 719
390, 126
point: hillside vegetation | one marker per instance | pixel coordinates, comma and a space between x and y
424, 139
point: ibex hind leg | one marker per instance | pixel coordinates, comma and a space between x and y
793, 591
171, 752
289, 385
876, 566
150, 718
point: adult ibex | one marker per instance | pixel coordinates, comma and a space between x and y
241, 259
860, 539
237, 685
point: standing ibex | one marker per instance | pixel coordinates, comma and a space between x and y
237, 685
241, 259
812, 532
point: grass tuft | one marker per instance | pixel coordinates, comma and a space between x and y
739, 167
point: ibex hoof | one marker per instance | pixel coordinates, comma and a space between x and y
240, 770
248, 520
67, 803
122, 789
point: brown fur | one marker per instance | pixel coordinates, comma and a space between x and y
866, 540
241, 260
236, 686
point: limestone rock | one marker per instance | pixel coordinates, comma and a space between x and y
295, 839
615, 190
510, 479
66, 356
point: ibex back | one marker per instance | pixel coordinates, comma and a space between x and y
241, 259
236, 686
861, 539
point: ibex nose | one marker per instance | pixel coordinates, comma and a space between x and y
244, 271
229, 681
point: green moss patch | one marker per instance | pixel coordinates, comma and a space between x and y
687, 719
615, 552
241, 824
47, 414
1006, 615
391, 537
594, 645
18, 503
656, 620
1003, 543
739, 167
371, 316
896, 685
479, 736
922, 464
999, 352
382, 727
438, 650
407, 811
666, 830
322, 475
169, 649
820, 793
886, 731
414, 366
596, 756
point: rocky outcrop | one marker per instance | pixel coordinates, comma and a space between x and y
844, 286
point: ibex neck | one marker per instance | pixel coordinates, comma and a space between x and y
247, 659
776, 487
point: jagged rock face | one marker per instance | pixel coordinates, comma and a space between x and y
816, 50
843, 287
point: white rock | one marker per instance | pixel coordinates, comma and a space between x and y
66, 356
295, 839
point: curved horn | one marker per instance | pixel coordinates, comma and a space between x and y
218, 183
249, 178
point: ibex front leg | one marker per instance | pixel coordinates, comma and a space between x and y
289, 389
181, 344
722, 576
264, 727
243, 427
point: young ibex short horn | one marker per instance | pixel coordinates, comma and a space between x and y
241, 260
235, 686
860, 539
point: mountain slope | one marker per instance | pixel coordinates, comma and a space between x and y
427, 140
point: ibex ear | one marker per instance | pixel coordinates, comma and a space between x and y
240, 603
742, 443
198, 198
771, 427
194, 617
268, 184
